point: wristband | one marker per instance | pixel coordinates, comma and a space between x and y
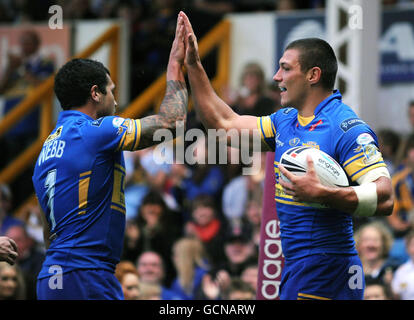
367, 199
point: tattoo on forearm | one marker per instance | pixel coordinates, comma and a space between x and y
173, 108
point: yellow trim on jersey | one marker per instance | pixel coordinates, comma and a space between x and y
132, 135
84, 180
266, 127
304, 121
86, 173
359, 168
312, 296
352, 159
118, 196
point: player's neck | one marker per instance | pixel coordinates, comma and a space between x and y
313, 99
89, 110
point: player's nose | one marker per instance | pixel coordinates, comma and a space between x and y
277, 77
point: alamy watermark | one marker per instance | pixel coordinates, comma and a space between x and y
56, 20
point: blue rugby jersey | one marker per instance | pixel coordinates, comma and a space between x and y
335, 129
79, 182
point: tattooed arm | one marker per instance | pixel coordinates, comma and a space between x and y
173, 109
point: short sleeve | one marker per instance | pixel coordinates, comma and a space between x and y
358, 152
114, 133
267, 129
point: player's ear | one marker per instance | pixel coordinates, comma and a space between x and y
314, 75
95, 93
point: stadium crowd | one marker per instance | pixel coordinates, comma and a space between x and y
193, 230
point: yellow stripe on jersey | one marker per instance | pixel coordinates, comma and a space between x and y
131, 135
265, 126
358, 167
312, 296
84, 179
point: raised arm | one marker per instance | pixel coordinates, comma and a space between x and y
213, 112
173, 109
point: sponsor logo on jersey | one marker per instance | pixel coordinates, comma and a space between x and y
54, 135
97, 122
294, 142
287, 110
311, 144
366, 145
350, 123
117, 121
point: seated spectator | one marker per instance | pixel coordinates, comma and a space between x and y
25, 70
389, 143
6, 218
150, 291
150, 269
11, 282
376, 289
251, 98
250, 275
206, 226
191, 264
373, 242
127, 275
239, 290
401, 220
403, 281
155, 229
30, 258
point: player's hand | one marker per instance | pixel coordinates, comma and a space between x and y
306, 188
177, 52
190, 40
8, 250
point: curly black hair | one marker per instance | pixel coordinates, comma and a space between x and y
74, 81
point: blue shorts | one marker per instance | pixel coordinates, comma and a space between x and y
81, 284
323, 277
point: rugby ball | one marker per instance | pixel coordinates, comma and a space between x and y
328, 170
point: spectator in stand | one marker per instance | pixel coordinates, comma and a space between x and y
373, 242
411, 114
191, 264
30, 258
150, 269
376, 289
11, 282
251, 99
155, 229
401, 220
250, 275
8, 250
389, 143
6, 218
239, 253
206, 226
403, 281
25, 70
127, 275
150, 291
239, 290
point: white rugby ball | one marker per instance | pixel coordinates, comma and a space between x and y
328, 170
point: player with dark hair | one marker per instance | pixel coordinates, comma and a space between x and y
321, 261
79, 176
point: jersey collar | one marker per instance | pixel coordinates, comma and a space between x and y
73, 113
336, 95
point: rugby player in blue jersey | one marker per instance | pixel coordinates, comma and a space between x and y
321, 261
79, 176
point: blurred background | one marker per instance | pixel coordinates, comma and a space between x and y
193, 230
